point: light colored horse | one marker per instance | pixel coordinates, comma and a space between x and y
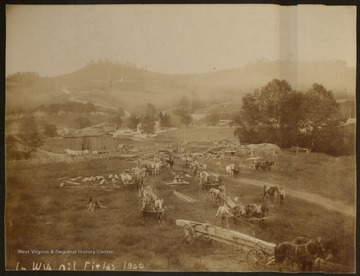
230, 169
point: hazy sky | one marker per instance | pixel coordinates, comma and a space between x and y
53, 40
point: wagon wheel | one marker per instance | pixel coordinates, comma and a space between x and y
256, 260
188, 234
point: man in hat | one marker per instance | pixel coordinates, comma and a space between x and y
223, 212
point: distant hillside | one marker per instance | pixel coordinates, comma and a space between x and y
113, 85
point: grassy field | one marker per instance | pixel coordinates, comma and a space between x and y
40, 215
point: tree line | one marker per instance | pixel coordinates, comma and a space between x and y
278, 114
67, 107
179, 116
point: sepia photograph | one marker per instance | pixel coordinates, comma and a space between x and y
180, 138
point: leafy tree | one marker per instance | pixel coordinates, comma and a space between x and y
133, 121
165, 119
322, 120
121, 112
29, 134
89, 107
277, 114
265, 114
118, 118
148, 124
82, 122
184, 110
50, 130
186, 119
151, 111
213, 118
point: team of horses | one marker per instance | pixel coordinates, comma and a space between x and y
150, 205
304, 252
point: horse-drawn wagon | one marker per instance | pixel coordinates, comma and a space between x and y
244, 213
208, 181
150, 204
259, 253
133, 178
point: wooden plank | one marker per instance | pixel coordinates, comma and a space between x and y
178, 183
184, 197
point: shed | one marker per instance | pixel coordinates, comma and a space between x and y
90, 140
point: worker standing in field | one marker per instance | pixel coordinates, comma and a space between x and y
223, 212
282, 195
265, 191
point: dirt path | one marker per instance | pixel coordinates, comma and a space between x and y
309, 197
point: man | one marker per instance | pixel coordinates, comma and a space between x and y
223, 212
236, 169
222, 189
265, 191
282, 195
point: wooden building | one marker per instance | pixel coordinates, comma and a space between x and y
90, 140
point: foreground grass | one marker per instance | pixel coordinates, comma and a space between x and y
40, 215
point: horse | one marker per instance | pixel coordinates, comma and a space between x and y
204, 176
264, 165
238, 212
330, 250
170, 163
159, 209
229, 169
215, 195
303, 254
215, 178
126, 179
257, 211
236, 170
149, 210
194, 166
270, 192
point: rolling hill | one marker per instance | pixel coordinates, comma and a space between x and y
112, 85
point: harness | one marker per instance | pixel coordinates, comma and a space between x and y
307, 253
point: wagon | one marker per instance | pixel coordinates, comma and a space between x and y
214, 181
260, 254
134, 183
245, 218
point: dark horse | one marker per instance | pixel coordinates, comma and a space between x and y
236, 170
303, 254
170, 163
270, 192
257, 211
266, 165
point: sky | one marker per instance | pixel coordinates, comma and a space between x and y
175, 39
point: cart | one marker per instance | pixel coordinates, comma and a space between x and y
260, 254
213, 181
